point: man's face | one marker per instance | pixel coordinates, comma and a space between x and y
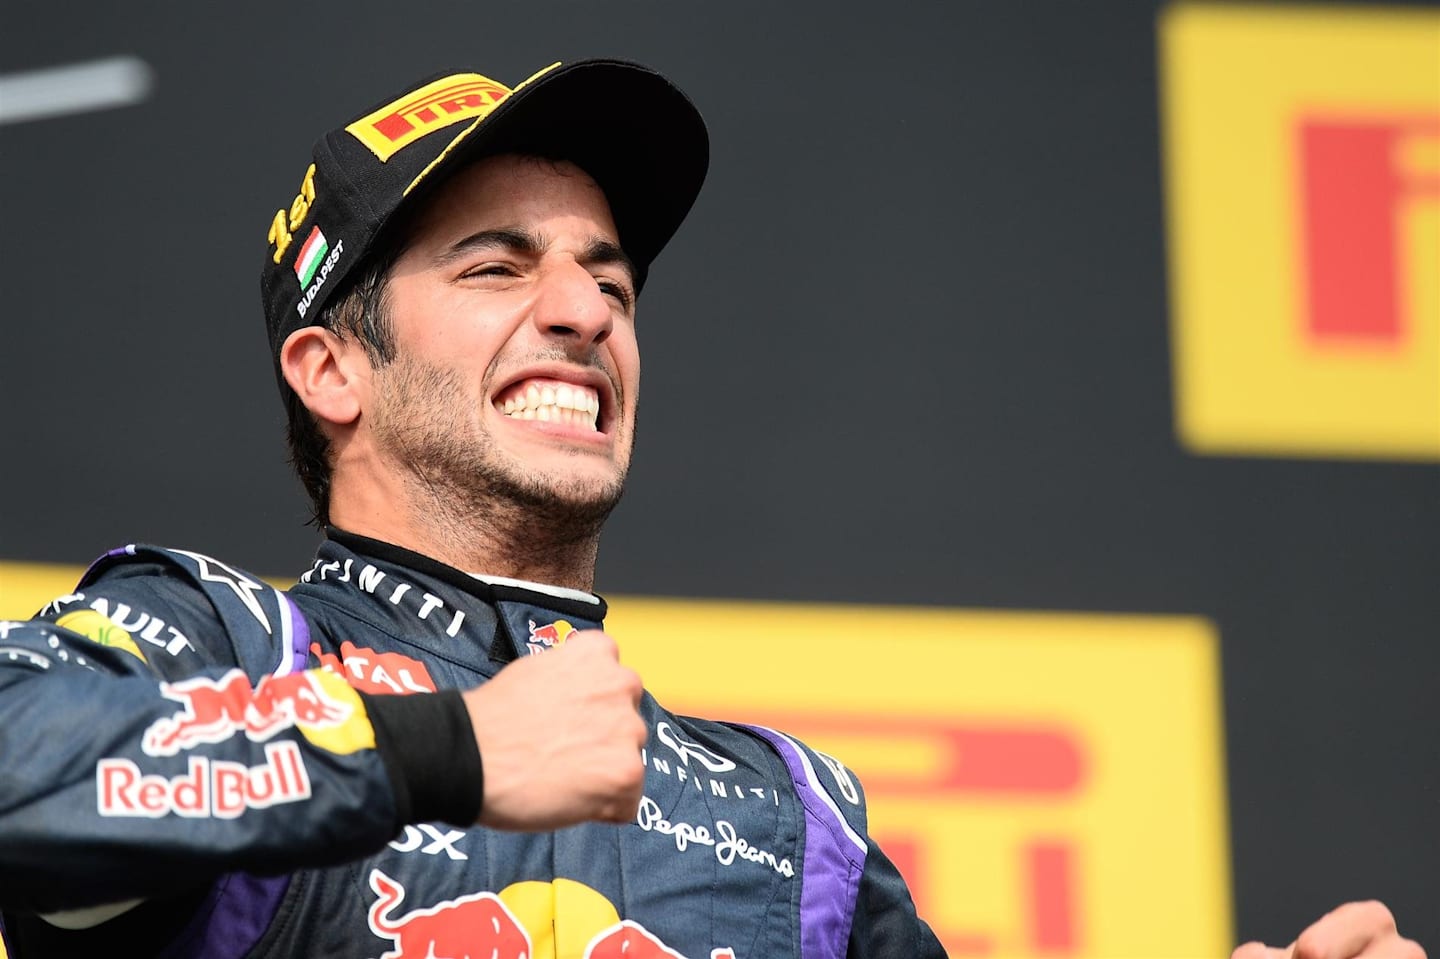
517, 370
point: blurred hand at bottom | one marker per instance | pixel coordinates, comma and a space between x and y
1356, 930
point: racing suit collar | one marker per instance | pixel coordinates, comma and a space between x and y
588, 606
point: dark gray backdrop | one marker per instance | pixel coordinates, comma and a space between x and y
911, 347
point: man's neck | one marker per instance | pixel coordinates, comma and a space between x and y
469, 516
490, 552
498, 540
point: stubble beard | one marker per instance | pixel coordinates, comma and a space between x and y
468, 486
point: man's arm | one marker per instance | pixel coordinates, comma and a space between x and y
885, 920
134, 771
117, 784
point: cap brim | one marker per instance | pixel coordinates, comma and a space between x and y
632, 130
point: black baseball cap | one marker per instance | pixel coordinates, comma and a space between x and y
632, 130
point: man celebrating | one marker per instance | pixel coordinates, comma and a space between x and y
450, 295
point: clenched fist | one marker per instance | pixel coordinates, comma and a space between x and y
560, 736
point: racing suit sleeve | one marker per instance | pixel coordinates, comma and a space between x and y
135, 765
885, 923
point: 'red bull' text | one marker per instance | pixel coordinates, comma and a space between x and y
210, 788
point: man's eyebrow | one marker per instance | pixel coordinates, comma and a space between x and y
603, 251
517, 240
509, 238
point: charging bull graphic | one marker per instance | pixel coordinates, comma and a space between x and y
548, 637
216, 709
630, 940
481, 926
477, 926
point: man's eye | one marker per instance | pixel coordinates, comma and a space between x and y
491, 269
618, 290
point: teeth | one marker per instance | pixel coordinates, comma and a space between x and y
561, 403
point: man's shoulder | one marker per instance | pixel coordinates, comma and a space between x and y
188, 604
811, 772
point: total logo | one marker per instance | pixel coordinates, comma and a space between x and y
372, 672
548, 637
562, 919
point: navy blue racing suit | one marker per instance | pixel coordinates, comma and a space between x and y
252, 766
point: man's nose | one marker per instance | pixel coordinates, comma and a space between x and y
571, 306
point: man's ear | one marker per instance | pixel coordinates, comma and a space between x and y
330, 376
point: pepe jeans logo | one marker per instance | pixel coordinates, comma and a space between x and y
725, 840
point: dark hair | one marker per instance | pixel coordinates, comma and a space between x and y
361, 313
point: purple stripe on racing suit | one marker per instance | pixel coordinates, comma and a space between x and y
834, 857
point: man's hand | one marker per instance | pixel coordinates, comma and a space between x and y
560, 737
1357, 930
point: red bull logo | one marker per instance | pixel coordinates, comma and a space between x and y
630, 940
477, 926
208, 788
523, 921
214, 710
548, 637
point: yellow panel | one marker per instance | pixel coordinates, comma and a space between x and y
25, 587
1259, 274
958, 724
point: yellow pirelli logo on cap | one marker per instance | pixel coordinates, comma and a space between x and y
447, 101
